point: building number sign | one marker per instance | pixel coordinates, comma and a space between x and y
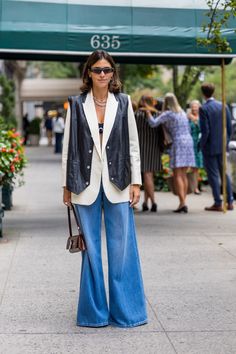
105, 41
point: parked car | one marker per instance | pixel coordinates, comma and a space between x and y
232, 150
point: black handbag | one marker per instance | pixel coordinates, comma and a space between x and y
165, 139
75, 243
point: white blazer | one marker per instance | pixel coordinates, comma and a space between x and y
99, 167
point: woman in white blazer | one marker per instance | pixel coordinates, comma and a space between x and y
101, 172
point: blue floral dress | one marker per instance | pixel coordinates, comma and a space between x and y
181, 151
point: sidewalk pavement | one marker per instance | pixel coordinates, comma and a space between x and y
188, 263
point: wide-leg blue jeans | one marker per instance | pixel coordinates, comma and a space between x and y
127, 307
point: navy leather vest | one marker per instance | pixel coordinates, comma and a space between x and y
81, 144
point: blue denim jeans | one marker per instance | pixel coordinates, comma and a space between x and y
127, 307
58, 143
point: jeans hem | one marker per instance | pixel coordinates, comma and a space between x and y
92, 324
128, 325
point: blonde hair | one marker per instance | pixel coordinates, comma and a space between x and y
195, 102
171, 103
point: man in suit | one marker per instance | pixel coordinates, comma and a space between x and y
211, 145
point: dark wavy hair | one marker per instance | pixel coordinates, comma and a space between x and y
114, 85
147, 103
208, 89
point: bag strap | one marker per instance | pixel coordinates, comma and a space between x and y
69, 219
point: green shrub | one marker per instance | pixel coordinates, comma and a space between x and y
34, 126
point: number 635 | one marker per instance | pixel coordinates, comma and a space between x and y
105, 41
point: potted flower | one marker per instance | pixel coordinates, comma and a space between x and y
1, 209
12, 162
34, 131
163, 177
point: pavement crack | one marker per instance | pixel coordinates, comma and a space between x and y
220, 245
166, 334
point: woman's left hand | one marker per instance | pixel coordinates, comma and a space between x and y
134, 194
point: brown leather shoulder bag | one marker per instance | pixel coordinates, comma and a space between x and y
75, 243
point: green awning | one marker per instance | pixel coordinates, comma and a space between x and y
155, 31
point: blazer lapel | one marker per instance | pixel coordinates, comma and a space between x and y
91, 116
110, 114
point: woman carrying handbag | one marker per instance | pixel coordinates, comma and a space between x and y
101, 173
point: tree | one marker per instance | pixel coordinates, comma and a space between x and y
213, 74
7, 101
60, 70
184, 84
135, 76
57, 70
219, 14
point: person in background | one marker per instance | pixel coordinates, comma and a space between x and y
58, 130
212, 145
25, 128
181, 150
193, 116
149, 150
48, 127
101, 175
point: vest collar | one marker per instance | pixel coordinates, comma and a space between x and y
110, 115
91, 116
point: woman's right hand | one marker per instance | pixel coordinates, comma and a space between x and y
66, 197
148, 114
190, 116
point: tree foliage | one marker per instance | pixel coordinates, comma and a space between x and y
57, 70
219, 13
139, 79
147, 79
184, 83
213, 74
7, 100
60, 70
135, 76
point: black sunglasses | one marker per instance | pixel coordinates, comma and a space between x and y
98, 70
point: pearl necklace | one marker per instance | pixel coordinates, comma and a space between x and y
100, 103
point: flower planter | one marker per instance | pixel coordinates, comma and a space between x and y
12, 162
34, 131
191, 183
7, 196
34, 139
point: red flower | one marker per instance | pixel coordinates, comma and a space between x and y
12, 159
